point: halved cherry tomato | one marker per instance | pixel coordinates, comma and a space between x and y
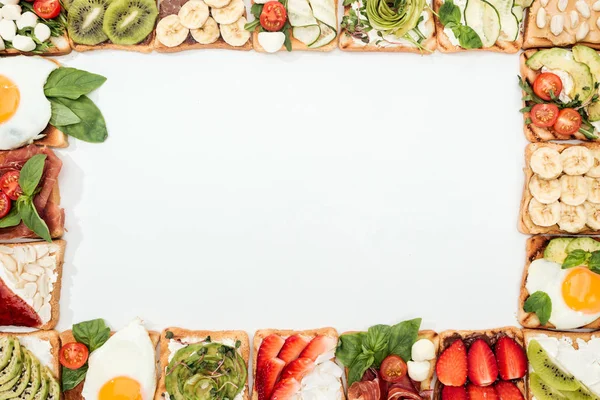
9, 184
393, 368
5, 205
546, 82
273, 16
73, 355
569, 122
544, 115
47, 9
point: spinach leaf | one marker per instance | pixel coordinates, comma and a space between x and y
594, 262
92, 333
358, 367
467, 37
349, 347
576, 258
402, 337
376, 341
13, 218
92, 127
256, 10
62, 115
540, 304
31, 173
32, 219
71, 83
73, 377
449, 13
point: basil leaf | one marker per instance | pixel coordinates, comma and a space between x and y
92, 127
71, 83
11, 219
402, 338
31, 173
62, 115
575, 258
349, 347
92, 333
376, 341
73, 377
468, 38
32, 219
449, 12
594, 262
540, 304
288, 41
358, 368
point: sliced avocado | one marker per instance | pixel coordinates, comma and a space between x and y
556, 249
53, 386
556, 58
13, 369
35, 379
591, 58
7, 343
583, 243
42, 393
23, 381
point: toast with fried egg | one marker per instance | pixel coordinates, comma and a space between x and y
52, 340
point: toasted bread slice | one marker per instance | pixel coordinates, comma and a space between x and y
534, 251
284, 333
216, 336
47, 336
445, 45
145, 46
56, 287
491, 336
61, 47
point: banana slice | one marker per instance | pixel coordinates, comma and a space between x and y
572, 218
208, 33
193, 14
576, 160
217, 3
545, 162
594, 172
574, 190
170, 32
230, 13
544, 191
544, 214
593, 185
593, 215
235, 34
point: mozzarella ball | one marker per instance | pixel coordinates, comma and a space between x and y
8, 30
27, 20
23, 43
11, 12
423, 350
42, 32
418, 370
9, 2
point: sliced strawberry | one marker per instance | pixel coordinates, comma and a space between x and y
512, 361
451, 366
267, 376
454, 393
285, 389
298, 368
292, 347
481, 392
269, 348
508, 391
482, 366
319, 345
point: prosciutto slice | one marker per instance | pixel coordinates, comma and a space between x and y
405, 389
364, 390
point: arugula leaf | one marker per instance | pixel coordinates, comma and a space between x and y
11, 219
402, 338
576, 258
72, 377
288, 36
93, 333
32, 219
594, 262
349, 347
540, 304
31, 173
251, 26
256, 10
92, 127
62, 115
359, 366
71, 83
449, 13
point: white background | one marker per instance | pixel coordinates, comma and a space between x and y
240, 190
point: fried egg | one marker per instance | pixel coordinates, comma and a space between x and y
123, 368
24, 109
575, 292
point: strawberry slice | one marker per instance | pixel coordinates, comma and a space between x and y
512, 361
267, 376
269, 348
451, 367
454, 393
481, 392
292, 347
319, 345
298, 368
482, 366
285, 389
508, 391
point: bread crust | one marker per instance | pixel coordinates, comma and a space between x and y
52, 52
445, 46
179, 333
50, 336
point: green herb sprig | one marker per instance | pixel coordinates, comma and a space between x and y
451, 17
540, 304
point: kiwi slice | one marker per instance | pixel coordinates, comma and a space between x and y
85, 21
556, 250
580, 394
541, 390
128, 22
548, 371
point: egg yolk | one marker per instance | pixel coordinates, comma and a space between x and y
581, 290
9, 98
121, 388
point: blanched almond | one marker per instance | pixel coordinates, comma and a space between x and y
540, 19
34, 269
47, 261
557, 24
598, 22
9, 250
596, 6
12, 277
38, 301
9, 263
544, 3
582, 31
41, 249
43, 286
19, 254
28, 277
45, 312
562, 5
583, 8
574, 19
30, 254
29, 290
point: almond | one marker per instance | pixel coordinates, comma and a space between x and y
583, 8
28, 277
8, 262
34, 269
582, 31
47, 261
45, 312
562, 5
29, 290
9, 250
42, 249
38, 301
596, 6
557, 24
540, 19
574, 19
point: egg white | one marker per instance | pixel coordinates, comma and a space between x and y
29, 74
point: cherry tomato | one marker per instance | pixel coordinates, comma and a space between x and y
273, 16
5, 204
9, 184
569, 122
544, 115
47, 9
546, 82
73, 355
393, 368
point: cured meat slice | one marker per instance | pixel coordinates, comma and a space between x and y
364, 390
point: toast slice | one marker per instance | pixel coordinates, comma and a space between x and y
53, 137
40, 250
491, 336
284, 333
67, 337
535, 250
184, 335
51, 337
145, 46
61, 47
445, 45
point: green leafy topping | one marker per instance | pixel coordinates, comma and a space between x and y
169, 335
13, 218
32, 219
31, 173
594, 262
576, 258
71, 83
450, 16
73, 377
92, 127
93, 333
403, 336
540, 304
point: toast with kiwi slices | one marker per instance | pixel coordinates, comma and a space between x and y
112, 25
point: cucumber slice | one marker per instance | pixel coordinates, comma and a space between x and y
484, 19
327, 35
325, 12
508, 21
523, 3
307, 34
519, 13
300, 13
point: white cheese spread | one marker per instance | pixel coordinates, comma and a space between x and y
567, 83
461, 4
323, 382
40, 348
